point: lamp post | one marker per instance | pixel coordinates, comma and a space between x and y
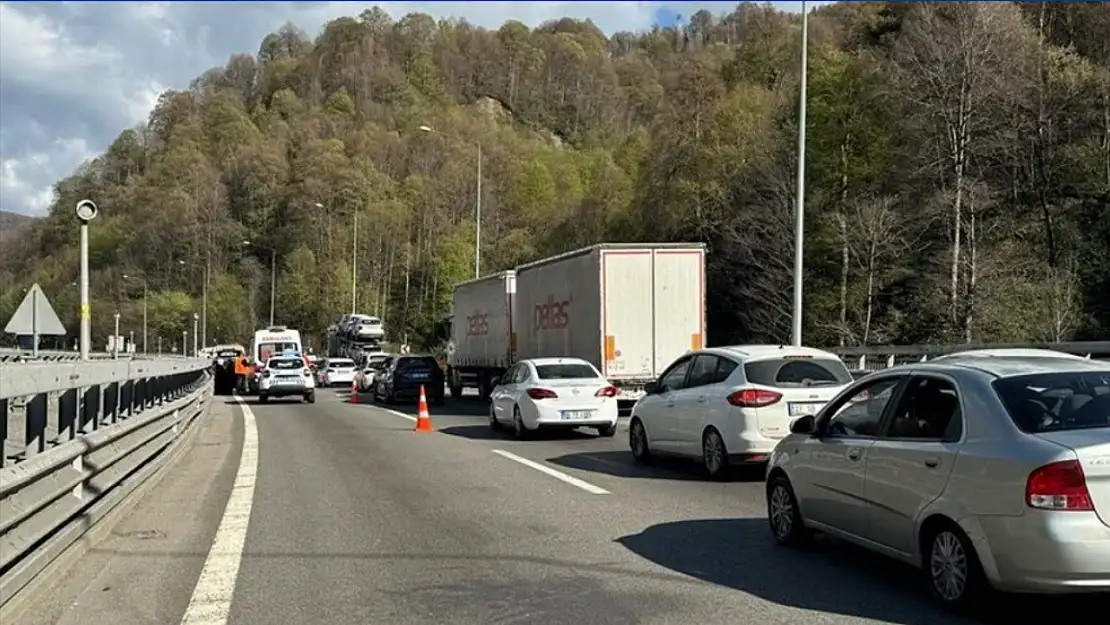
115, 337
196, 337
273, 275
799, 201
477, 205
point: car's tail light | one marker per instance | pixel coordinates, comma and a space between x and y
541, 393
307, 373
608, 391
754, 398
265, 374
1058, 486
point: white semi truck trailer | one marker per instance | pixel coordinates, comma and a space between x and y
630, 309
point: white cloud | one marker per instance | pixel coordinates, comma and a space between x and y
73, 75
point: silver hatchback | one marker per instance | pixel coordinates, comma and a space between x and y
985, 469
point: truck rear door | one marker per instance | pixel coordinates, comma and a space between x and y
626, 285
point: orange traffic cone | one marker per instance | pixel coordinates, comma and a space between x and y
423, 419
354, 391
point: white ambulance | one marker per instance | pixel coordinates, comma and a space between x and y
273, 341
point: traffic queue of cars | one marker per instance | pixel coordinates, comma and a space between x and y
985, 469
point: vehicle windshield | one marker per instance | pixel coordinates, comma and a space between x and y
227, 353
417, 363
571, 371
1055, 402
269, 350
791, 372
285, 363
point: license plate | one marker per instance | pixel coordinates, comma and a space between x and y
574, 415
803, 409
419, 376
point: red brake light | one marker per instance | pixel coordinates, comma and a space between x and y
1058, 486
541, 393
608, 391
754, 398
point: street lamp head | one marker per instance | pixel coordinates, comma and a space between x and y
86, 211
196, 316
427, 129
318, 205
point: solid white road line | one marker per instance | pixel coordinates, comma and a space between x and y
211, 600
559, 475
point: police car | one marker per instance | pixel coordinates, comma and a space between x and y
285, 376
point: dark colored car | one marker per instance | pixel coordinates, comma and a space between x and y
223, 370
402, 377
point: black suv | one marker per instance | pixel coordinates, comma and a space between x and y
403, 376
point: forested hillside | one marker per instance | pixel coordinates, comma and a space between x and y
958, 181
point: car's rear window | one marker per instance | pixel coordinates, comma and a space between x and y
1054, 402
416, 363
565, 372
790, 372
286, 363
341, 363
227, 353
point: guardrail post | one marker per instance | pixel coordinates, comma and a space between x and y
128, 405
111, 403
3, 432
67, 415
34, 435
90, 414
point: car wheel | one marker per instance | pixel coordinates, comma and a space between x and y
638, 442
519, 431
608, 431
494, 424
310, 397
714, 454
952, 569
437, 400
263, 398
783, 513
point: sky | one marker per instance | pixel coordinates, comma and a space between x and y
73, 75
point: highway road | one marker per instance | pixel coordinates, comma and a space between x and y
290, 513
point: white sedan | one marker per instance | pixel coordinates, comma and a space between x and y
338, 371
552, 393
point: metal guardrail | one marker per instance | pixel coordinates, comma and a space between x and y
876, 357
115, 425
12, 355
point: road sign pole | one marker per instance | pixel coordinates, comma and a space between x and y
34, 327
86, 325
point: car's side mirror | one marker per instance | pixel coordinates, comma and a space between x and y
804, 425
495, 381
651, 388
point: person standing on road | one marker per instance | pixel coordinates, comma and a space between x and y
242, 370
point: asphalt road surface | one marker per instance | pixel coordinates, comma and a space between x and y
289, 514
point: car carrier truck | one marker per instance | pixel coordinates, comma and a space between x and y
630, 309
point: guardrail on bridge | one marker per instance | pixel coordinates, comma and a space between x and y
114, 424
876, 357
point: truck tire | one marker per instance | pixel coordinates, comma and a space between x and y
455, 383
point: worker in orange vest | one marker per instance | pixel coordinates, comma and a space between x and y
242, 371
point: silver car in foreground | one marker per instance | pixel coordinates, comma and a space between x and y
984, 469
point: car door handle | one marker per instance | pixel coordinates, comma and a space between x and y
701, 400
932, 463
853, 454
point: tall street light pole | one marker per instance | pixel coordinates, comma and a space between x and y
477, 207
799, 201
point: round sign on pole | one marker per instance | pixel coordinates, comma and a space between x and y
86, 210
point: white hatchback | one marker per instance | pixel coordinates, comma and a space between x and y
729, 406
553, 393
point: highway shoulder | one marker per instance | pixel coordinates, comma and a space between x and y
144, 571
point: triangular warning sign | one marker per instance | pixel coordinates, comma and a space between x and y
35, 316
